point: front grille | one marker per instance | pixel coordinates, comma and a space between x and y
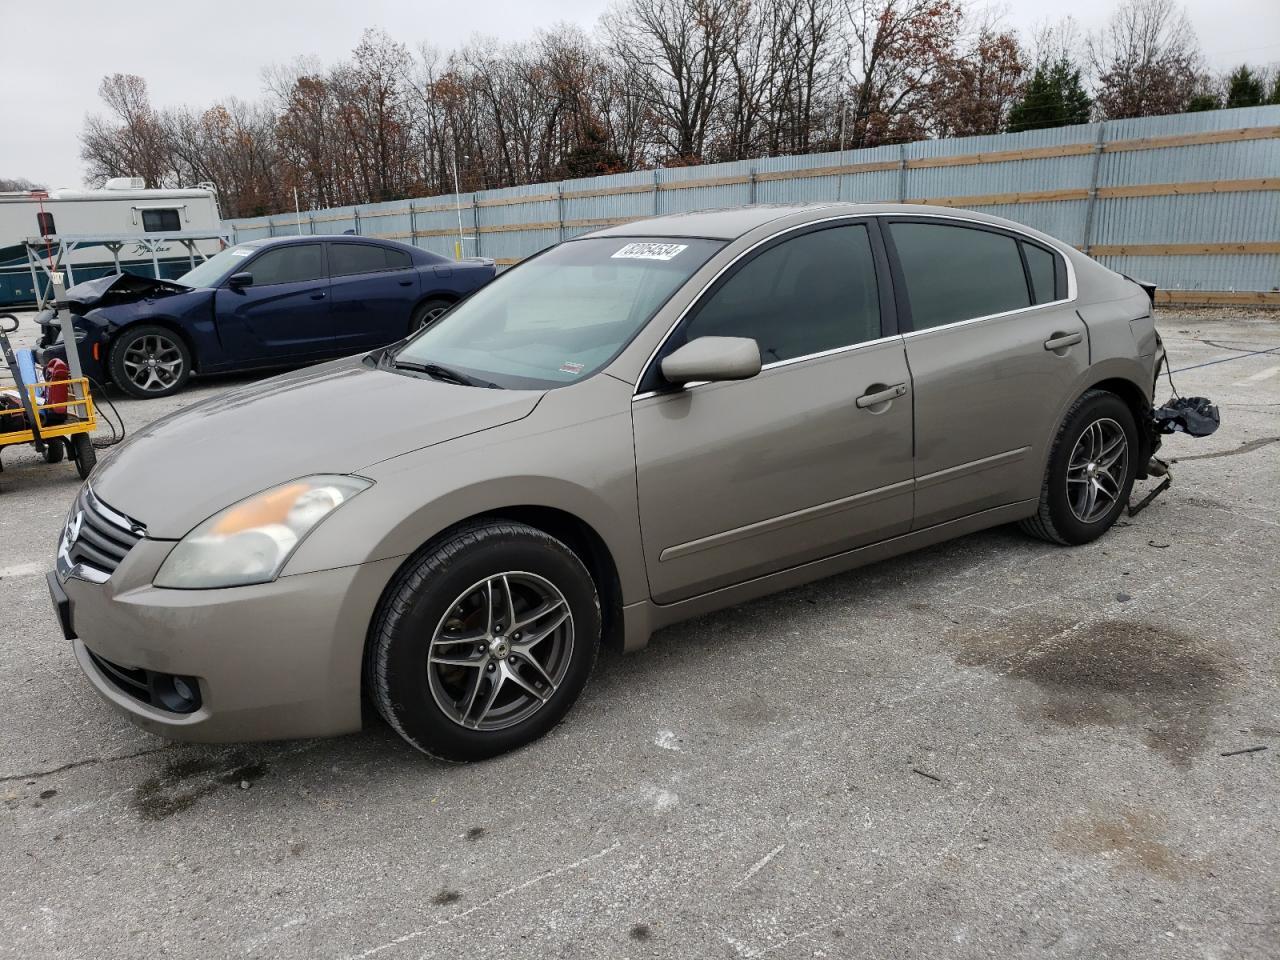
165, 691
97, 538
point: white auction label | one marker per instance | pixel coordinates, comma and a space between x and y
650, 251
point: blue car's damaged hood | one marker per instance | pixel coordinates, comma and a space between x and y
119, 288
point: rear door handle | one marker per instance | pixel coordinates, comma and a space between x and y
318, 295
1066, 340
881, 396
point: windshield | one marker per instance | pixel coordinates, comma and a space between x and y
216, 268
561, 316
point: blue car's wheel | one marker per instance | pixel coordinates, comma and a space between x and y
150, 361
428, 313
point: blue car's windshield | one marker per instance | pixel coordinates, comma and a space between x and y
217, 268
562, 316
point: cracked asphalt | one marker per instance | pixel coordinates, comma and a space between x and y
993, 747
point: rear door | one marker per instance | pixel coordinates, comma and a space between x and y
373, 289
284, 314
810, 457
994, 344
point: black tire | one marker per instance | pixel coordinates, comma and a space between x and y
419, 600
150, 344
84, 454
54, 450
425, 314
1056, 521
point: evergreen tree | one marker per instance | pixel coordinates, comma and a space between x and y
1054, 97
1203, 101
1244, 88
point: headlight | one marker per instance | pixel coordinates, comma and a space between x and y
250, 541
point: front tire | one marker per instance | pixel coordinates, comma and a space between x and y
483, 641
85, 456
1092, 466
149, 361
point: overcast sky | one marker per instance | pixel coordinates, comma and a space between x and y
196, 55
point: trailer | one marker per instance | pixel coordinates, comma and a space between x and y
144, 227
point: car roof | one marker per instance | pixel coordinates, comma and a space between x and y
303, 238
732, 223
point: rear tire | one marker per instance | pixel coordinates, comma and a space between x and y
149, 361
1092, 466
54, 450
425, 314
528, 616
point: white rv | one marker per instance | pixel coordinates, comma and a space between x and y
110, 218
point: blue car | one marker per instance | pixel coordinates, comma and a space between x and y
265, 303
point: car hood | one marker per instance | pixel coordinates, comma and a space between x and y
338, 417
118, 288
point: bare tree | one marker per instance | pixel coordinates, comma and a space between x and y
1146, 61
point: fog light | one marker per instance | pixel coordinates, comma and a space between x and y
181, 689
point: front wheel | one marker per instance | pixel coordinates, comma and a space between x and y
85, 456
483, 641
1092, 466
150, 361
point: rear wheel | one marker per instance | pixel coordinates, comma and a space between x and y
54, 450
425, 314
1091, 471
484, 641
150, 361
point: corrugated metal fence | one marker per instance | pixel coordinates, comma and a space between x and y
1191, 202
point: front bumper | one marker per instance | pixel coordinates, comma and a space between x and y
272, 661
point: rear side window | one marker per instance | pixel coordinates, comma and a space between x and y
291, 264
955, 273
44, 220
1042, 268
346, 259
812, 293
161, 221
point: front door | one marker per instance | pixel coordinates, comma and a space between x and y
994, 345
284, 315
810, 457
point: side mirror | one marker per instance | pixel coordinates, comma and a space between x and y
712, 359
238, 280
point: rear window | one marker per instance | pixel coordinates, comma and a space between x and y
1042, 266
955, 273
346, 259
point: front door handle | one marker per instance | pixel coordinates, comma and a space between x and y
881, 396
1063, 341
406, 283
318, 295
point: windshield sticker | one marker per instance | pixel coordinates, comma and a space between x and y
650, 251
242, 252
570, 367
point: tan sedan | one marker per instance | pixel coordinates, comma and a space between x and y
634, 427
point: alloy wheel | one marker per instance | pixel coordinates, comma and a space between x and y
1097, 469
153, 363
431, 316
501, 651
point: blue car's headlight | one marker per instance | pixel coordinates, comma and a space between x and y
250, 542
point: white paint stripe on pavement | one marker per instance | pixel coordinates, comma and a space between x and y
1260, 375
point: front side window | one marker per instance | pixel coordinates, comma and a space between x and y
161, 221
955, 273
291, 264
347, 259
561, 316
805, 295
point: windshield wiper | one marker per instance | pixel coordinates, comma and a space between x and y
447, 374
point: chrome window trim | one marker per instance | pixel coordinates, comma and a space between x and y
1072, 293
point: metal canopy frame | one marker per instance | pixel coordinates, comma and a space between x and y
43, 273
